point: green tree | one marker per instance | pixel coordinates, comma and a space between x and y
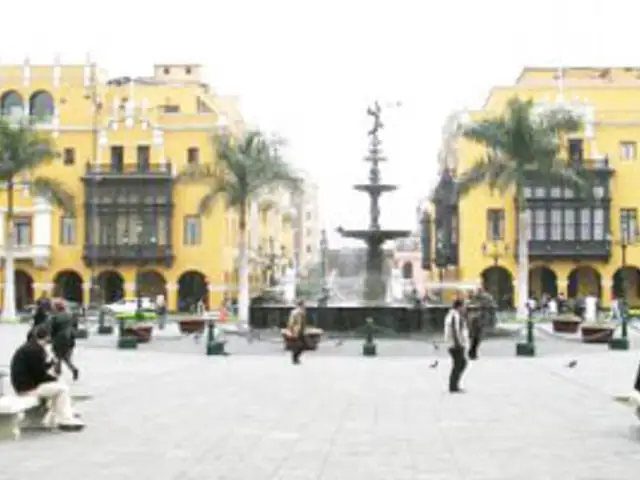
520, 145
242, 170
22, 150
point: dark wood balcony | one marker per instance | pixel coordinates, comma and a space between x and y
569, 249
143, 254
133, 171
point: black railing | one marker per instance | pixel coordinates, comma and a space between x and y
132, 254
569, 249
136, 170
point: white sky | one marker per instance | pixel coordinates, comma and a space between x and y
308, 68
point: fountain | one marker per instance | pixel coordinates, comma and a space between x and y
374, 237
377, 302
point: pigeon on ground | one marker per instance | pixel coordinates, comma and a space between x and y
339, 343
434, 364
436, 346
572, 364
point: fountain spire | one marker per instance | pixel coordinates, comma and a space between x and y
374, 237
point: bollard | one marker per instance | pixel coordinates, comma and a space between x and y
103, 328
81, 330
528, 348
125, 342
369, 348
214, 346
622, 342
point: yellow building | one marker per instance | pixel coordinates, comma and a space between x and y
120, 143
576, 246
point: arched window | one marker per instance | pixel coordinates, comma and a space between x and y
11, 104
41, 105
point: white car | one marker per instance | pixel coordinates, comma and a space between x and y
130, 305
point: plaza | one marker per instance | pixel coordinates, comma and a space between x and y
167, 411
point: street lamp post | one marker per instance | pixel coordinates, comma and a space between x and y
324, 246
139, 254
95, 292
128, 342
627, 239
496, 250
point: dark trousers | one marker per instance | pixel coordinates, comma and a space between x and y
637, 385
458, 365
474, 343
297, 348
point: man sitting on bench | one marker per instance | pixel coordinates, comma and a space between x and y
30, 376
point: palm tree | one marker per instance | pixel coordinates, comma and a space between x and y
520, 144
242, 170
22, 150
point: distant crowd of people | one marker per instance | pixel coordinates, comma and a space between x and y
586, 307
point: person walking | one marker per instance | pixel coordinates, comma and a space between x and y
479, 319
296, 329
454, 336
63, 339
40, 313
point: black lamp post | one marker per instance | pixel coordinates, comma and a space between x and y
622, 342
496, 250
324, 247
95, 292
139, 262
127, 342
369, 348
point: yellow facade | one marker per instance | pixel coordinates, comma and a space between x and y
608, 99
173, 113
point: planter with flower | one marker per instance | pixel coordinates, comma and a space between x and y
138, 325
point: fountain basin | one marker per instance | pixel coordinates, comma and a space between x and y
392, 319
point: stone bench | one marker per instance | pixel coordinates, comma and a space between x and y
13, 409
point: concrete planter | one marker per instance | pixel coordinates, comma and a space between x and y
189, 326
312, 338
595, 333
566, 324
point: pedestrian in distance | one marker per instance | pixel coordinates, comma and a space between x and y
455, 338
296, 329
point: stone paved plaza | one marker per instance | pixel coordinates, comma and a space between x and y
163, 415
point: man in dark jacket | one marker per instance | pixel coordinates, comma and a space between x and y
30, 375
41, 313
63, 341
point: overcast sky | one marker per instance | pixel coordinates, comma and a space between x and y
308, 69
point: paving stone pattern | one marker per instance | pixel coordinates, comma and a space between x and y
338, 417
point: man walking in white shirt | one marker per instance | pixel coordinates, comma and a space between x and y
454, 337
